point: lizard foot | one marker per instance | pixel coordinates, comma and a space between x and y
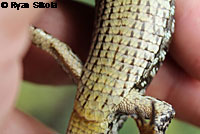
144, 126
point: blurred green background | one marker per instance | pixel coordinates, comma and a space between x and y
53, 104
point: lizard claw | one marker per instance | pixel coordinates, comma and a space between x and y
145, 127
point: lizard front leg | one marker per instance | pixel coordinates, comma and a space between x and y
59, 50
142, 107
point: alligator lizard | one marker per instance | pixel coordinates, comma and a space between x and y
130, 41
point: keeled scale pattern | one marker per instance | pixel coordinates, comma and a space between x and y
130, 40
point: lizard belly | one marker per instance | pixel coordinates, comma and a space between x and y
129, 43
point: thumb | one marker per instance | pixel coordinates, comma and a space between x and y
13, 43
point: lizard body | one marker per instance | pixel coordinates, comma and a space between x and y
130, 41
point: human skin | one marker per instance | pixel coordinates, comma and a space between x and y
177, 82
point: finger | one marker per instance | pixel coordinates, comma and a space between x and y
72, 23
179, 89
13, 37
186, 43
